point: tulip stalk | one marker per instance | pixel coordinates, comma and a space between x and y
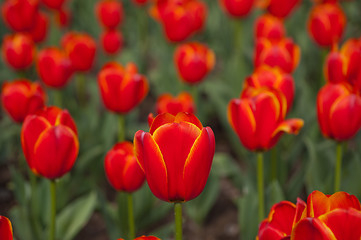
121, 133
274, 164
260, 186
178, 221
52, 210
80, 87
338, 167
57, 98
130, 216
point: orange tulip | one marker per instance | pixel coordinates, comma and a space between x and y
54, 67
109, 13
18, 50
269, 26
279, 8
40, 30
237, 8
284, 54
80, 48
22, 97
247, 117
54, 4
112, 41
176, 156
50, 144
122, 169
338, 111
321, 18
121, 88
6, 231
193, 61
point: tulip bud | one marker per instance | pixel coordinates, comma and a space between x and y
122, 169
54, 67
22, 97
112, 41
121, 88
237, 8
193, 61
6, 231
18, 50
50, 144
109, 13
269, 26
176, 156
54, 4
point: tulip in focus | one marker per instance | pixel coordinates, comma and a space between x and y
20, 15
122, 168
54, 4
112, 41
109, 13
237, 8
80, 48
50, 143
121, 88
246, 116
22, 97
18, 50
6, 231
326, 24
176, 156
54, 67
279, 8
194, 61
269, 26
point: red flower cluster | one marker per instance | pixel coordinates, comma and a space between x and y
110, 15
323, 217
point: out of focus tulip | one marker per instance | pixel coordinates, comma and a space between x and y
122, 168
279, 8
338, 111
180, 18
54, 4
194, 61
6, 231
63, 17
18, 50
326, 24
144, 238
40, 30
121, 88
284, 54
247, 117
22, 97
20, 15
273, 78
140, 2
80, 48
109, 13
269, 26
54, 67
237, 8
176, 156
112, 41
50, 142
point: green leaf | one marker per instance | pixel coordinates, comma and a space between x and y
274, 194
248, 215
20, 223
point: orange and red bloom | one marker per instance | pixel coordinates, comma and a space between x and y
121, 88
6, 231
54, 67
22, 97
237, 8
194, 61
112, 41
269, 26
50, 143
246, 116
122, 169
176, 156
109, 13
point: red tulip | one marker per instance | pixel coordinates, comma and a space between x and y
50, 144
54, 67
279, 8
18, 50
176, 156
20, 15
22, 97
109, 13
121, 88
273, 78
112, 41
144, 238
193, 61
122, 169
338, 111
54, 4
326, 24
39, 31
80, 47
269, 26
284, 54
237, 8
140, 2
63, 17
6, 231
247, 117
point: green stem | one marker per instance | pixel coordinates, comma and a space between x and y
80, 87
274, 163
131, 217
52, 210
237, 37
195, 95
178, 221
260, 186
57, 98
121, 133
32, 205
338, 167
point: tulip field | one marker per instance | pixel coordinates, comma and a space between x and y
180, 119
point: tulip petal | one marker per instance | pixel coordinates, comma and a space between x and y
160, 120
300, 208
317, 204
6, 231
281, 217
311, 229
187, 117
198, 164
291, 126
